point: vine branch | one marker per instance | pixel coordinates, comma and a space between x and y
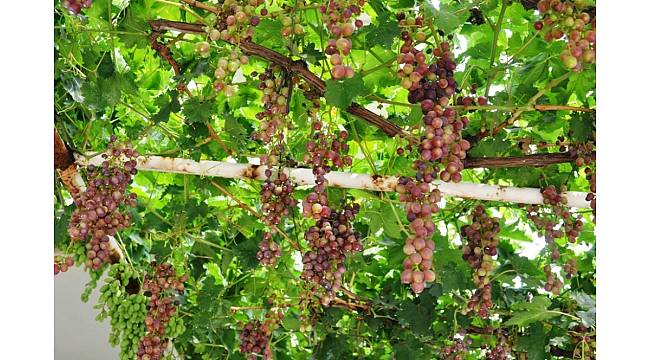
297, 67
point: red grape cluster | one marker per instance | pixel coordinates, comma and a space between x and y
62, 264
330, 240
269, 251
338, 16
75, 6
100, 209
235, 22
420, 203
254, 339
586, 157
591, 195
273, 119
457, 350
472, 99
326, 150
161, 308
432, 86
553, 283
546, 221
482, 241
570, 269
564, 18
501, 351
277, 200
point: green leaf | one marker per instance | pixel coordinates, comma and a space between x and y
534, 69
61, 221
582, 127
101, 93
168, 104
106, 67
588, 304
383, 32
197, 111
452, 271
533, 343
445, 18
417, 316
342, 93
134, 28
334, 347
269, 33
528, 313
513, 233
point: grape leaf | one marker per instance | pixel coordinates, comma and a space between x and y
341, 93
445, 18
383, 32
418, 316
533, 343
452, 271
529, 312
197, 111
588, 304
168, 104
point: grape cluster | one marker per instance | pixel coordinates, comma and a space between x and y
161, 322
254, 339
502, 350
75, 6
457, 350
482, 241
235, 22
585, 157
565, 19
100, 211
330, 240
326, 150
119, 299
62, 264
269, 251
545, 219
553, 283
273, 119
277, 199
338, 16
290, 25
476, 16
432, 86
591, 195
420, 203
225, 69
570, 269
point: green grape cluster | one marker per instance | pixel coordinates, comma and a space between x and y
92, 284
176, 326
126, 311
